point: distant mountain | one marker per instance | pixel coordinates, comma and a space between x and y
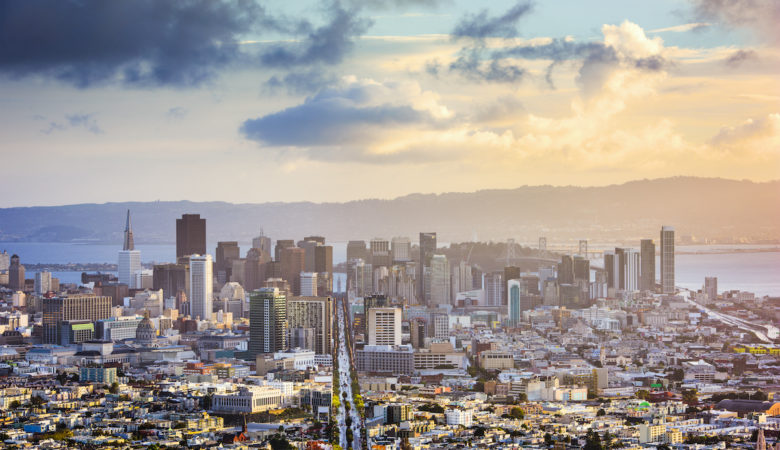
699, 207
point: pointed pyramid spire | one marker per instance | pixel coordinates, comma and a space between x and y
128, 245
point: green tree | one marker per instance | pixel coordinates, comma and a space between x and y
114, 389
15, 404
601, 412
479, 432
593, 441
516, 413
690, 396
37, 400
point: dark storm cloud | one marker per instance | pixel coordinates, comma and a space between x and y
481, 25
140, 42
334, 117
148, 43
740, 56
326, 44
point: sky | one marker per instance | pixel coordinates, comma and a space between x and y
247, 101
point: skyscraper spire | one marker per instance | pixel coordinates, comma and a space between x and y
128, 234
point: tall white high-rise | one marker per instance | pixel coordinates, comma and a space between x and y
308, 284
201, 286
667, 260
42, 282
129, 264
630, 270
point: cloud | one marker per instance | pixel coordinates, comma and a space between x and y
301, 82
757, 136
85, 121
625, 47
326, 44
349, 120
684, 28
141, 43
481, 26
393, 4
760, 17
146, 43
176, 112
740, 56
470, 65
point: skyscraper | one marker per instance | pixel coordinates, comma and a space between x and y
42, 282
190, 235
609, 268
510, 273
494, 288
308, 284
581, 268
171, 278
515, 292
401, 248
262, 242
566, 270
323, 259
255, 266
647, 265
201, 286
427, 249
227, 252
437, 281
315, 313
357, 249
5, 261
629, 269
292, 264
461, 278
128, 244
15, 274
380, 253
711, 287
282, 244
667, 260
267, 322
310, 249
129, 258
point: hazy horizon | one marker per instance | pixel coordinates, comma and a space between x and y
395, 197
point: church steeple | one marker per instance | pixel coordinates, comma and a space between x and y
128, 234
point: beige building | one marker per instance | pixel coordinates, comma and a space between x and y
385, 326
495, 360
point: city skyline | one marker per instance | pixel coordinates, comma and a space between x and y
622, 92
